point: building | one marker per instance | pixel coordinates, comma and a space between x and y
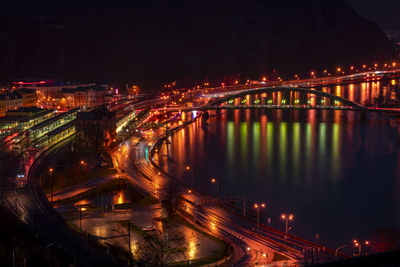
10, 101
95, 128
29, 97
68, 97
57, 94
133, 90
23, 119
84, 96
90, 96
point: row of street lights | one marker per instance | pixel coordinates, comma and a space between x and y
356, 243
285, 217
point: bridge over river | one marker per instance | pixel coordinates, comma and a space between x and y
280, 98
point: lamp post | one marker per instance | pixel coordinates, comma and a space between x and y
80, 216
337, 250
358, 244
258, 206
215, 181
286, 218
188, 169
51, 184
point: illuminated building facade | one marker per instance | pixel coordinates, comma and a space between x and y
95, 128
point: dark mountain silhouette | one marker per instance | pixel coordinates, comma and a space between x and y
156, 41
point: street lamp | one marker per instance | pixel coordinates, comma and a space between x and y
51, 184
337, 250
80, 216
215, 181
286, 218
188, 169
358, 244
258, 206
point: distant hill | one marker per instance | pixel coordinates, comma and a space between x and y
155, 41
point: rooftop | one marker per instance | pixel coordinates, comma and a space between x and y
26, 91
27, 110
12, 95
95, 114
53, 119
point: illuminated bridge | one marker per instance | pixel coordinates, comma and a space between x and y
282, 97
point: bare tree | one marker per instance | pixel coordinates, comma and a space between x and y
159, 249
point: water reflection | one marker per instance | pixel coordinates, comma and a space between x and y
335, 170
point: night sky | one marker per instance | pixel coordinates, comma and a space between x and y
205, 39
384, 12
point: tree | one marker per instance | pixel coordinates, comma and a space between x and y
160, 249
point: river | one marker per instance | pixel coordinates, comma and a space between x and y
335, 171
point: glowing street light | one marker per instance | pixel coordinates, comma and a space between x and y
286, 218
51, 170
215, 181
258, 206
80, 215
188, 169
359, 244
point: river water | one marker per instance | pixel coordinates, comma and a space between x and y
335, 171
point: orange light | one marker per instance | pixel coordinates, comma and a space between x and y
355, 240
213, 180
367, 242
339, 69
189, 191
312, 73
236, 82
256, 206
352, 67
283, 216
364, 66
264, 79
51, 170
291, 217
394, 64
187, 168
263, 205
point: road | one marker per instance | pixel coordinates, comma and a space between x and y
133, 159
30, 204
